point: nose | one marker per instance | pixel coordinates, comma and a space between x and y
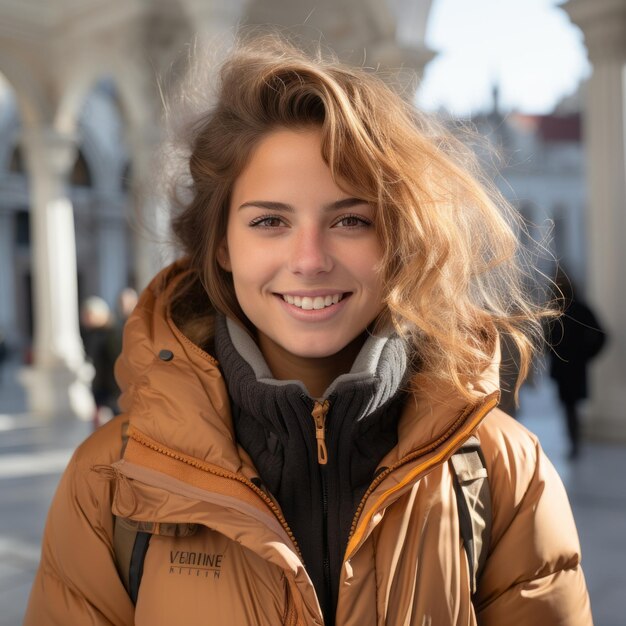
309, 254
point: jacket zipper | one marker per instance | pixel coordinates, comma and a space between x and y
319, 413
222, 474
478, 413
325, 530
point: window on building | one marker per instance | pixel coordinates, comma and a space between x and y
81, 174
560, 227
22, 228
127, 177
16, 163
526, 235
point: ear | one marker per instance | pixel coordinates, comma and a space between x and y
223, 258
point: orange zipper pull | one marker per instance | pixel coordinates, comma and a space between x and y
319, 415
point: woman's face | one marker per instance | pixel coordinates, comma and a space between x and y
302, 251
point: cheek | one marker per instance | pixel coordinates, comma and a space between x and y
238, 253
367, 267
251, 274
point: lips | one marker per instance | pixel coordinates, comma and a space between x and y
309, 303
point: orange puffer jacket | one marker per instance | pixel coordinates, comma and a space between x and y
404, 565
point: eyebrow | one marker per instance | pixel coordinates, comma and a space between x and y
269, 205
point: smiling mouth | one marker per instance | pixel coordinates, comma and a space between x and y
313, 303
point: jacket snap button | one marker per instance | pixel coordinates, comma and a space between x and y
166, 355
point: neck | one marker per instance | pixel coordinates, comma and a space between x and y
316, 373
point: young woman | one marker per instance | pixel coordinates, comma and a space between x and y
295, 387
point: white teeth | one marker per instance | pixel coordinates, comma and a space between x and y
308, 304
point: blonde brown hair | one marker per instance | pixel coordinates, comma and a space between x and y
451, 261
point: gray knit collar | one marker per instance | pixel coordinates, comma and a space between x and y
382, 358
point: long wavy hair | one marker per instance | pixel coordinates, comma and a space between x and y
451, 261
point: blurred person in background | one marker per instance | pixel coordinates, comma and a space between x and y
309, 392
575, 339
98, 334
126, 303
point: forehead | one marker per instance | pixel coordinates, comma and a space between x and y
285, 165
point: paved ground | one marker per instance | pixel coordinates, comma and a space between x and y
33, 455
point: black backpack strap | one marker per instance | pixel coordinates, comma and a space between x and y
130, 546
135, 570
473, 497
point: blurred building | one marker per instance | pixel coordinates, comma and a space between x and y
603, 23
569, 168
98, 188
80, 119
80, 115
538, 164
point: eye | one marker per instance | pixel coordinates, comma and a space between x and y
352, 221
266, 221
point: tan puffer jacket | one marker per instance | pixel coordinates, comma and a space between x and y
404, 565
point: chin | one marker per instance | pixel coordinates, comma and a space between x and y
316, 349
314, 353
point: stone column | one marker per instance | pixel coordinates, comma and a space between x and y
604, 25
57, 384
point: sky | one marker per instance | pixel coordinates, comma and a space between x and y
529, 48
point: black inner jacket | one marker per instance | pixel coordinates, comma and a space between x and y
274, 425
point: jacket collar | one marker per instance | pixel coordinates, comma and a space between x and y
378, 371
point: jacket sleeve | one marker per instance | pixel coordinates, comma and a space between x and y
533, 573
77, 582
